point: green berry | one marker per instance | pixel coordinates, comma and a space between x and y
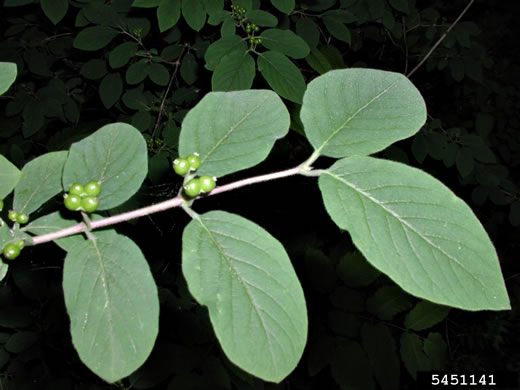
181, 166
76, 189
22, 218
13, 215
20, 244
207, 183
194, 161
192, 188
11, 251
89, 204
1, 204
93, 188
72, 202
256, 28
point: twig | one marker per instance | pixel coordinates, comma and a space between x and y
405, 45
441, 39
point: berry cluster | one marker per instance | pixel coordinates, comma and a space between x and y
12, 251
182, 166
193, 187
21, 218
238, 12
154, 143
83, 198
252, 27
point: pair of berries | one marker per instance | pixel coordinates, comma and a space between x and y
182, 166
203, 184
21, 218
252, 27
83, 198
12, 251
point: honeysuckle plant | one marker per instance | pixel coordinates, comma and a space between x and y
406, 223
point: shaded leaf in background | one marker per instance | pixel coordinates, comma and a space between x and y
233, 130
350, 367
110, 89
112, 302
122, 54
255, 301
355, 271
307, 29
282, 75
412, 354
116, 156
286, 6
40, 181
168, 14
437, 351
9, 176
401, 218
94, 38
425, 315
189, 68
388, 301
55, 10
159, 74
235, 71
285, 42
194, 14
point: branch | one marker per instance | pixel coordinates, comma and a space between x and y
443, 36
168, 204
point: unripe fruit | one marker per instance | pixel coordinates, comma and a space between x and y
194, 161
181, 166
207, 183
72, 202
13, 215
192, 188
22, 218
93, 188
20, 244
89, 204
76, 189
11, 251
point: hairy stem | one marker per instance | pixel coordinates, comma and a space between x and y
167, 204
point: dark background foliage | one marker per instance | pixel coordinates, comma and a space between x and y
105, 61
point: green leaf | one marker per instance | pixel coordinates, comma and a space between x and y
159, 74
110, 89
307, 29
168, 14
464, 161
122, 54
112, 302
3, 272
282, 75
235, 71
8, 72
337, 29
436, 349
116, 156
94, 69
355, 271
382, 354
146, 3
425, 315
213, 6
388, 301
360, 111
55, 10
350, 367
137, 72
189, 68
194, 14
414, 229
400, 5
221, 47
103, 14
233, 130
318, 62
94, 38
262, 18
9, 177
286, 6
413, 355
285, 42
41, 180
255, 301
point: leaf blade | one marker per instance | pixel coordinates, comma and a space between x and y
9, 176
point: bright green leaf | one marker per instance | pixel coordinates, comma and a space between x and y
168, 14
55, 10
122, 54
401, 218
221, 47
235, 71
112, 302
255, 301
360, 111
4, 267
9, 177
194, 13
94, 38
286, 6
282, 75
233, 130
8, 72
425, 315
116, 156
110, 89
40, 181
285, 42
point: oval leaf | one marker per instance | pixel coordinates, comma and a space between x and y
94, 38
55, 10
116, 156
286, 6
235, 71
232, 131
9, 176
360, 111
282, 75
255, 301
41, 180
168, 14
425, 315
8, 72
194, 14
112, 302
285, 42
220, 48
414, 229
110, 89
